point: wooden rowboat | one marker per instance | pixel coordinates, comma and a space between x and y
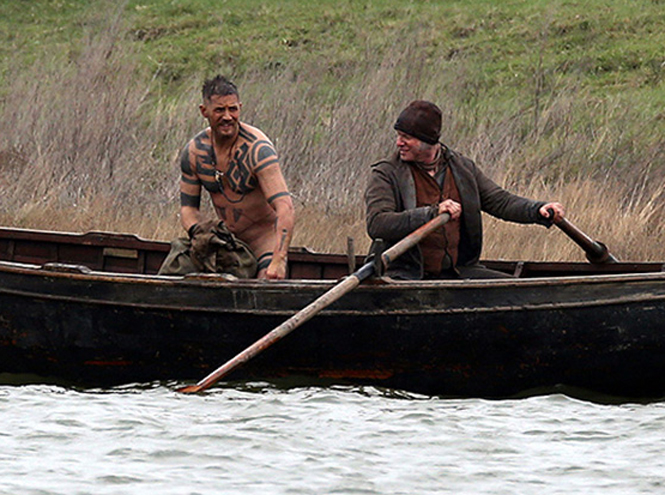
88, 309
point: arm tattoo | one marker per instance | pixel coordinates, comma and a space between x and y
278, 195
282, 240
189, 200
264, 260
264, 155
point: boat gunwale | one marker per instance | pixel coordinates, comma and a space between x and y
381, 283
213, 282
352, 312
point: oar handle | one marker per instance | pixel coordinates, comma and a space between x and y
398, 249
596, 252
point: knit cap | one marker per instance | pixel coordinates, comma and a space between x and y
421, 119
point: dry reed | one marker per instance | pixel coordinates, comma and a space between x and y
91, 146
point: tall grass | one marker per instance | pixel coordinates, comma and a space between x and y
92, 145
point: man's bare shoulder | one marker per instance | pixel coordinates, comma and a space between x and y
200, 141
198, 151
258, 148
251, 135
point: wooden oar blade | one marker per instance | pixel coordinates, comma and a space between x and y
189, 389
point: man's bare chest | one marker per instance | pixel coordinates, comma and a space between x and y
232, 176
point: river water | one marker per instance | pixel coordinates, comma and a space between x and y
261, 439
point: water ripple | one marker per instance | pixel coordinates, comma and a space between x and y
257, 438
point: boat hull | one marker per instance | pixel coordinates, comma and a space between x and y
496, 338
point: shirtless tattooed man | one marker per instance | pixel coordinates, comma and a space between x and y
239, 167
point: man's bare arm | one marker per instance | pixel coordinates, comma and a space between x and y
277, 195
190, 191
284, 229
189, 216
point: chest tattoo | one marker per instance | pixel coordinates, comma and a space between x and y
240, 177
238, 180
221, 212
237, 214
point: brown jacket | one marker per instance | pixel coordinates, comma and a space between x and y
392, 214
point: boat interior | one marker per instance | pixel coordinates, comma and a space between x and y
128, 253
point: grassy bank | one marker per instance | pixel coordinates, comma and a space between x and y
555, 100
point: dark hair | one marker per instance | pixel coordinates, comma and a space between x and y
220, 86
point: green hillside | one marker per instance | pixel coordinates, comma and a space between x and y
611, 47
543, 94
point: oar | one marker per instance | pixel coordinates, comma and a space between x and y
596, 252
339, 290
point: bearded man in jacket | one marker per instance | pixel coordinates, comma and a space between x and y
423, 179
